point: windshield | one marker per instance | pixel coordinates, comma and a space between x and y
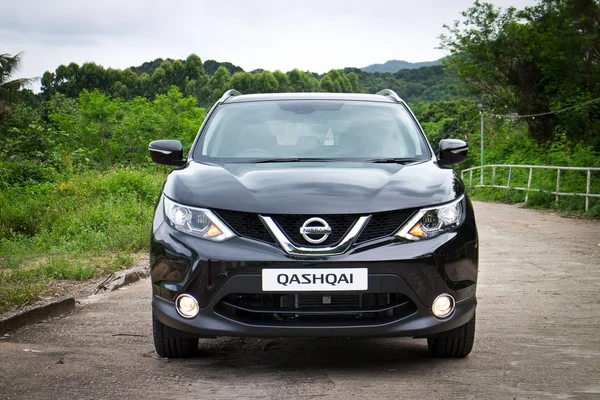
297, 130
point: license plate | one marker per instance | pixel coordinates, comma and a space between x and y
314, 279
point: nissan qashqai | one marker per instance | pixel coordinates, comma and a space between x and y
313, 214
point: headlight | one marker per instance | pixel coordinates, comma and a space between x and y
430, 222
198, 222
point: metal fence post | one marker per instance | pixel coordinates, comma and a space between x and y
557, 185
529, 184
493, 175
482, 156
481, 176
509, 176
471, 178
587, 191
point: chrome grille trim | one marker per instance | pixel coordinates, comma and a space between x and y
290, 248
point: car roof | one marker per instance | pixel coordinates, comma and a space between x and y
309, 96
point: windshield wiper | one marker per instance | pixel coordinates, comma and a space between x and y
294, 159
311, 159
393, 160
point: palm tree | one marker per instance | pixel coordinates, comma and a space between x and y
9, 89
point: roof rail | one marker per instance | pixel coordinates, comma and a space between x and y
228, 94
390, 93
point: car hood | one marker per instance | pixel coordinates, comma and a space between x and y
313, 187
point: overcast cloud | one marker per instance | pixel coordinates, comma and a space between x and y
310, 35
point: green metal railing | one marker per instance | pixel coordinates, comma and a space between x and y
495, 168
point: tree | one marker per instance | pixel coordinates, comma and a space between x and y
353, 78
178, 76
283, 82
265, 82
336, 81
119, 89
242, 81
159, 79
145, 85
532, 61
327, 84
219, 83
196, 79
93, 76
193, 67
9, 89
303, 81
47, 84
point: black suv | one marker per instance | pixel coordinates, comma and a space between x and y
313, 214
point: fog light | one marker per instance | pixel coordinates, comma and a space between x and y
187, 306
443, 306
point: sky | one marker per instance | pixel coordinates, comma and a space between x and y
269, 34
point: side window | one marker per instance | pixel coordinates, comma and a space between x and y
411, 143
209, 135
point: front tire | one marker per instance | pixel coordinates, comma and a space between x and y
458, 344
169, 346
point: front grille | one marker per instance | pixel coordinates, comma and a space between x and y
340, 225
245, 224
311, 309
384, 224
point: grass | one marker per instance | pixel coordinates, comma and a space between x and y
31, 279
74, 229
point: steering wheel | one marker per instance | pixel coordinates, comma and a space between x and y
254, 153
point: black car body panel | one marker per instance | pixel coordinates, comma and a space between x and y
404, 276
309, 188
184, 264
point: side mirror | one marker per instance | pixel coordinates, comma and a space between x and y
168, 152
452, 151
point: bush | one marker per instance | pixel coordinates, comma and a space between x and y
76, 228
21, 172
93, 212
508, 143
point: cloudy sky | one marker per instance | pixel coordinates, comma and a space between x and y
306, 34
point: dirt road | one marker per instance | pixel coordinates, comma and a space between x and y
538, 336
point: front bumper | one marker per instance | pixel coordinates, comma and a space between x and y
211, 322
416, 272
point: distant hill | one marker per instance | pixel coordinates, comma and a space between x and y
211, 66
412, 84
396, 65
149, 66
152, 78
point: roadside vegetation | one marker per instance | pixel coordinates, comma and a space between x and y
507, 141
77, 188
77, 227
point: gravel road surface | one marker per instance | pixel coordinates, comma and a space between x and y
538, 337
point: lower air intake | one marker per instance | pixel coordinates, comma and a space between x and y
310, 309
